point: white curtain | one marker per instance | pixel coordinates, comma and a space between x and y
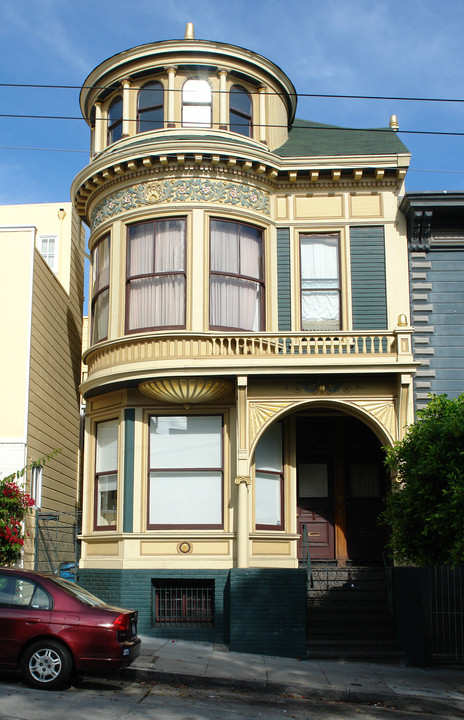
157, 300
320, 305
107, 446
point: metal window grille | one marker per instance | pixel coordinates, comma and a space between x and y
176, 602
447, 614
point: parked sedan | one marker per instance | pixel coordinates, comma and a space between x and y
50, 628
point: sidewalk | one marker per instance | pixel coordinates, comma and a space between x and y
439, 690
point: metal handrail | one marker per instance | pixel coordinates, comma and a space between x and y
307, 555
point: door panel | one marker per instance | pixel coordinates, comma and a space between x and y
315, 509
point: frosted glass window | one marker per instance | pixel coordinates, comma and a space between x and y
313, 480
268, 499
268, 455
186, 498
186, 473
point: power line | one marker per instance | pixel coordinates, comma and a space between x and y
399, 98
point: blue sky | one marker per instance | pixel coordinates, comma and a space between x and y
343, 47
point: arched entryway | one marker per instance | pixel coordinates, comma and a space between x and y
341, 483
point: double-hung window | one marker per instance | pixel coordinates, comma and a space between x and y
269, 480
106, 475
150, 110
156, 275
186, 471
320, 282
48, 246
236, 276
100, 289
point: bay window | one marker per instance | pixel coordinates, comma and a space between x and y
269, 480
155, 283
100, 289
186, 472
236, 276
320, 282
106, 475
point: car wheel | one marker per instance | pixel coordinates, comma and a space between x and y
46, 664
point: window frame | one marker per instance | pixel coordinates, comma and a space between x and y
259, 281
237, 112
97, 475
46, 256
114, 123
100, 290
321, 234
183, 273
220, 470
189, 104
141, 111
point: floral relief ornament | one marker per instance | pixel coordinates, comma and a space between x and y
192, 190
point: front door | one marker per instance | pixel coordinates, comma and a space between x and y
340, 488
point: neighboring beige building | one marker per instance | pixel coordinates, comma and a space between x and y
41, 289
249, 348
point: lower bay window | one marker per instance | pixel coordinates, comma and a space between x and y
106, 475
185, 484
269, 480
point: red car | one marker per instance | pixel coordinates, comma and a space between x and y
51, 628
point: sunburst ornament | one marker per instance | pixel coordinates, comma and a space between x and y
186, 391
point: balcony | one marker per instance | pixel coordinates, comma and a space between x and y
181, 353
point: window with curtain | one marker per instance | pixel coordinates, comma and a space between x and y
320, 282
186, 471
196, 103
150, 107
115, 120
269, 480
240, 113
100, 289
156, 275
236, 276
106, 475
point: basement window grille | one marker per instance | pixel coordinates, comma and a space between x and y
177, 602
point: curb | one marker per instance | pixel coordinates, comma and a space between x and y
412, 703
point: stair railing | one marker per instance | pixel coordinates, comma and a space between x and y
307, 556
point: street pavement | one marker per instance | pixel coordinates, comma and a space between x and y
437, 690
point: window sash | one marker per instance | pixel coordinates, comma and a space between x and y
106, 476
196, 103
320, 282
106, 500
185, 498
269, 479
115, 120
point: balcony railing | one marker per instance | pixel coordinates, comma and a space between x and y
177, 349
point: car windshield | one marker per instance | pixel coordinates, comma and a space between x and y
83, 595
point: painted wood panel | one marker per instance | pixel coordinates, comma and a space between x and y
368, 284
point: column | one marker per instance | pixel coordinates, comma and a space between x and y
223, 119
98, 132
243, 479
262, 113
126, 107
171, 97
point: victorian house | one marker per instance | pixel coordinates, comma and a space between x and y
249, 347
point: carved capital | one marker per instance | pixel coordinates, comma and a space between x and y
243, 479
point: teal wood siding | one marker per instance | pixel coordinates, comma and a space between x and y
447, 317
128, 506
283, 279
368, 286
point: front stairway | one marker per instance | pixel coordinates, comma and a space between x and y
348, 614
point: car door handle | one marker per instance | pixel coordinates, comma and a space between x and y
33, 621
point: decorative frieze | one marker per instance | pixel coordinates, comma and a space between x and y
195, 190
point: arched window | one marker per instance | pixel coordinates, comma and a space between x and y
240, 115
150, 110
196, 103
115, 120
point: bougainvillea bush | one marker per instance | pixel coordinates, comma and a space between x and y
14, 506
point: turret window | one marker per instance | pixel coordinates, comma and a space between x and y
240, 112
150, 111
115, 121
196, 103
156, 275
236, 276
